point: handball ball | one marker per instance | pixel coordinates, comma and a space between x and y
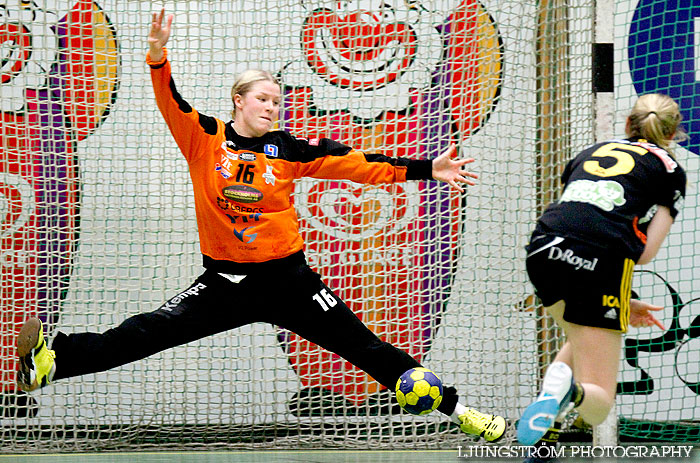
419, 391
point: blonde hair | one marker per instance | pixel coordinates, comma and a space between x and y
245, 81
656, 118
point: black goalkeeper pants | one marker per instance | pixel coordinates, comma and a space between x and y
294, 298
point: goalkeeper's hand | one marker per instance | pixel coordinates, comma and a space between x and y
159, 34
641, 314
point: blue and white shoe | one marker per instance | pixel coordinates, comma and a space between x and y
555, 398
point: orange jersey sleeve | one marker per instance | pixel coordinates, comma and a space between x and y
327, 159
182, 120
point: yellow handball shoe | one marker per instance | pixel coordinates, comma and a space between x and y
490, 427
36, 361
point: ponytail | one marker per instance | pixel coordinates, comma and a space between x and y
656, 118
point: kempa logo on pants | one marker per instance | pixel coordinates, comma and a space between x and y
193, 291
568, 256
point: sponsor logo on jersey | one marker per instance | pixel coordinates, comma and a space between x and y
611, 301
606, 194
238, 219
229, 153
247, 156
662, 154
269, 176
611, 314
570, 258
232, 154
225, 205
222, 170
677, 200
242, 236
226, 161
242, 194
649, 215
271, 151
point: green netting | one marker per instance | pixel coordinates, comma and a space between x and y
656, 52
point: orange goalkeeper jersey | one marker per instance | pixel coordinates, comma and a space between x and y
243, 186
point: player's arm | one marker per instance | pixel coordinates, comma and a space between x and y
328, 159
669, 203
324, 158
658, 228
190, 129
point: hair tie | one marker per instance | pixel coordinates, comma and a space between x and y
652, 112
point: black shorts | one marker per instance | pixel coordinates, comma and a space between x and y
595, 283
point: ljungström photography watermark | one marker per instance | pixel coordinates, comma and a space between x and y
575, 451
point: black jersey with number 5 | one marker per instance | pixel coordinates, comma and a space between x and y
611, 192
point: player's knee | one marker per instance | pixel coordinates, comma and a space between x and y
596, 414
594, 418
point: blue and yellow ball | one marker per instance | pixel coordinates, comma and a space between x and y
419, 391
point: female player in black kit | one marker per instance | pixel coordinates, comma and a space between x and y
242, 173
619, 201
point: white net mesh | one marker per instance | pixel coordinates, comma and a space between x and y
99, 221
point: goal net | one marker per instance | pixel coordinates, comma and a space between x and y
97, 215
